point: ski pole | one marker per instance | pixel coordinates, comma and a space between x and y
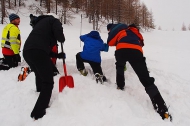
80, 28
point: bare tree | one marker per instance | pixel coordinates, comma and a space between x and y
159, 28
48, 6
2, 11
183, 28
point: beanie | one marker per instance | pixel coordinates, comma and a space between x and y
33, 20
109, 26
13, 16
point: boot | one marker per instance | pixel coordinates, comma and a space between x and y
160, 107
83, 72
99, 78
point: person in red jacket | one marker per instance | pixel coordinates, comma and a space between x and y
129, 42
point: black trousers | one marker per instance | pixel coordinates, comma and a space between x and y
96, 67
41, 64
138, 63
8, 62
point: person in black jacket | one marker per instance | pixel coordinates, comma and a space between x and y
47, 30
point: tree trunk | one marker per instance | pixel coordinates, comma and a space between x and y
2, 10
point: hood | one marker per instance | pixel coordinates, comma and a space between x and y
94, 34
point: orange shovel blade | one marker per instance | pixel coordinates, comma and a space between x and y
65, 80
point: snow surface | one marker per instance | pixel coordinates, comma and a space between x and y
92, 104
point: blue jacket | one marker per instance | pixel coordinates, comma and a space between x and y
93, 44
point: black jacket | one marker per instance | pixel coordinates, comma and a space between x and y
47, 30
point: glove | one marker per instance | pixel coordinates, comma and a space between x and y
61, 55
17, 58
106, 47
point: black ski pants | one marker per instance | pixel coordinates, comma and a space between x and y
138, 63
96, 67
8, 62
41, 64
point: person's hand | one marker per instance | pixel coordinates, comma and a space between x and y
106, 47
61, 55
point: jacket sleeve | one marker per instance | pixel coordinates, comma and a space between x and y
113, 39
58, 31
14, 42
105, 47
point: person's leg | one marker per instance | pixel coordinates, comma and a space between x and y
43, 64
79, 62
97, 70
120, 57
10, 61
96, 67
80, 65
138, 63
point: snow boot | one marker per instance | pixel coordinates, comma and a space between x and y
160, 107
119, 88
99, 78
83, 72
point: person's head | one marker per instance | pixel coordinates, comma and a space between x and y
33, 19
109, 26
14, 19
94, 34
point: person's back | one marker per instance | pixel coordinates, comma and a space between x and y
93, 44
44, 32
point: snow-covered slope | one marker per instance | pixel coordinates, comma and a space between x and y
92, 104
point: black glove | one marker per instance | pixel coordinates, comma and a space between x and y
53, 55
17, 58
61, 55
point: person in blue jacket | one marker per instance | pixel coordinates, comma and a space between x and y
93, 44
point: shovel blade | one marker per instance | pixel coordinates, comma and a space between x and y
65, 81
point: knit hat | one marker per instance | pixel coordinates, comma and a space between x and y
33, 20
13, 16
109, 26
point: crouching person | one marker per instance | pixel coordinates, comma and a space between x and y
10, 43
93, 45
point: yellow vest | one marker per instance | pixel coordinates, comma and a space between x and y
11, 38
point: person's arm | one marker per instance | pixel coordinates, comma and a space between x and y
58, 31
15, 44
105, 47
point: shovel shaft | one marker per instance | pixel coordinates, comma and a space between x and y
65, 80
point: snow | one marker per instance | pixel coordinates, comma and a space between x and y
92, 104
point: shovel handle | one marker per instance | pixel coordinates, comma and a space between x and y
64, 66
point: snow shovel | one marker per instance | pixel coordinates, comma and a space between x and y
66, 80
